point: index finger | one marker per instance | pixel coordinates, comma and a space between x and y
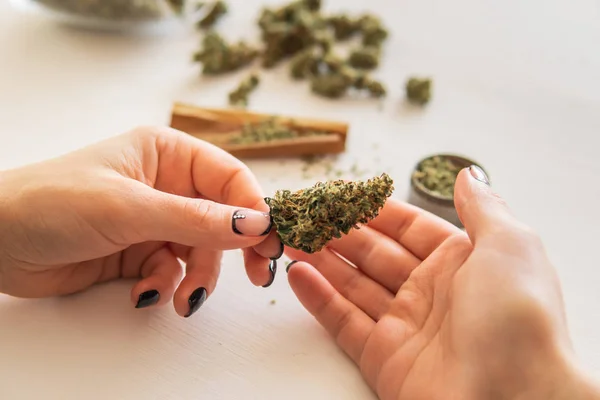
213, 173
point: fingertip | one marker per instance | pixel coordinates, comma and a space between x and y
189, 297
161, 273
271, 248
257, 267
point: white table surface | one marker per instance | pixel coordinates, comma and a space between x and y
517, 87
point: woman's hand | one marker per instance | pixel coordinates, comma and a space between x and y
430, 312
130, 207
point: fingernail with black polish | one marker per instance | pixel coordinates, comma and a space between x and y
148, 299
479, 174
251, 223
290, 266
273, 271
197, 298
278, 256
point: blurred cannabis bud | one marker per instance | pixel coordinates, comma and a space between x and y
289, 29
239, 97
218, 57
309, 218
344, 27
305, 64
218, 9
418, 90
438, 174
365, 57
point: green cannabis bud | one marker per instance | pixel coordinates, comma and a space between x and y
438, 174
219, 57
418, 90
304, 64
343, 26
218, 10
309, 218
333, 85
375, 88
373, 31
290, 29
239, 97
365, 57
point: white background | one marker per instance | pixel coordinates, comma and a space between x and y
517, 88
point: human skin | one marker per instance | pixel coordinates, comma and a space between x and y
427, 311
131, 207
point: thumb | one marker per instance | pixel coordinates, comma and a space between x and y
200, 223
480, 209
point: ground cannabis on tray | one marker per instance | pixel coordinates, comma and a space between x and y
309, 218
269, 131
438, 174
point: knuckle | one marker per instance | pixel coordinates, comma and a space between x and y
459, 243
153, 132
199, 213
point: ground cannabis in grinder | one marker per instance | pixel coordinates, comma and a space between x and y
438, 175
239, 97
117, 10
309, 218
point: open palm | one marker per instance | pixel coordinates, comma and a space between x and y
428, 311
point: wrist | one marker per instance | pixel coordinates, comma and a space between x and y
552, 376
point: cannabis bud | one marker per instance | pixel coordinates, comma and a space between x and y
239, 97
418, 91
365, 57
218, 10
218, 57
343, 26
373, 31
304, 64
309, 218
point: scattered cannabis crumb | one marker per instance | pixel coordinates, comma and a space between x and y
239, 97
418, 90
273, 302
309, 218
438, 174
218, 10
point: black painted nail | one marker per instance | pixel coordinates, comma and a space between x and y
278, 256
148, 299
479, 174
290, 265
197, 298
273, 271
251, 223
